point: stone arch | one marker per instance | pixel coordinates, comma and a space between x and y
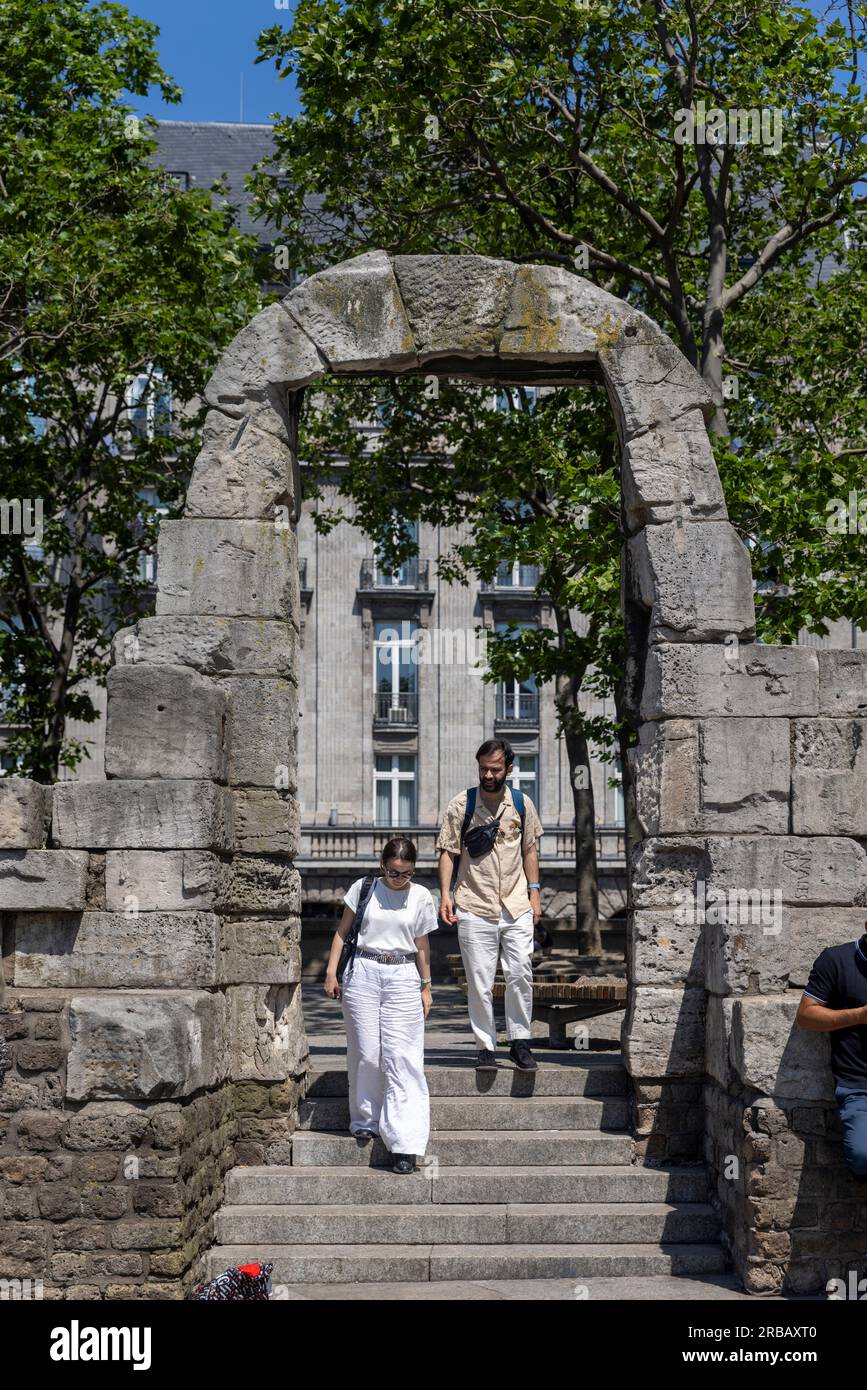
172, 958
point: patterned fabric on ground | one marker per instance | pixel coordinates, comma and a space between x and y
241, 1283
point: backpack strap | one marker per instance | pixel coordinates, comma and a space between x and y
520, 807
469, 812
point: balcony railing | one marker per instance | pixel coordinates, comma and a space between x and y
520, 578
517, 706
412, 574
364, 842
395, 709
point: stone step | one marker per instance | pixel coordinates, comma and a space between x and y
280, 1185
597, 1075
509, 1148
331, 1114
559, 1223
329, 1264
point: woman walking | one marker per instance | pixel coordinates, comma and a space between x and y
386, 999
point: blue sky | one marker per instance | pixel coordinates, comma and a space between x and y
206, 46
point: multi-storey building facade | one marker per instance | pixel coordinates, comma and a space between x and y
392, 703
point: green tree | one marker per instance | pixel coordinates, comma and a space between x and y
108, 272
560, 133
523, 478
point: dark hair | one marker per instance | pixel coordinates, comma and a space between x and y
496, 745
398, 848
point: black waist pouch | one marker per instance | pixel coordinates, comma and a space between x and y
480, 840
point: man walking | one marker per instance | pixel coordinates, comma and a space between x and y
835, 1001
493, 832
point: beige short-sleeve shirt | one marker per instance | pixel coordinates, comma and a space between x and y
496, 880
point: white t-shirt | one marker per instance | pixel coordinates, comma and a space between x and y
393, 917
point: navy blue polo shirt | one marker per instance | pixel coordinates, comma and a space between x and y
839, 980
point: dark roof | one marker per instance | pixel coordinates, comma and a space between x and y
205, 150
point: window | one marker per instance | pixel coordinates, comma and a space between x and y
508, 400
395, 671
511, 574
395, 790
406, 574
147, 562
149, 402
517, 700
524, 775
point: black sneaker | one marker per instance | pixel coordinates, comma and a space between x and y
522, 1056
403, 1163
486, 1061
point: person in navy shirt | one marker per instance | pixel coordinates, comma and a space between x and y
835, 1001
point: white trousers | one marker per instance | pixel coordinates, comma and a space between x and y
482, 942
384, 1017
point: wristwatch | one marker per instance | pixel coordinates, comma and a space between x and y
534, 885
426, 982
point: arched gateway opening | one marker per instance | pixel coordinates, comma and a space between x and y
168, 944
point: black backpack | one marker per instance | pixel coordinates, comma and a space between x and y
347, 955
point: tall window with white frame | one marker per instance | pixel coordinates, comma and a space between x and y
395, 790
517, 700
149, 403
406, 574
396, 672
525, 775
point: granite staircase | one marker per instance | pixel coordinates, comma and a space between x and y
527, 1175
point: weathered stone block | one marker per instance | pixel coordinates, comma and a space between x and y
271, 348
354, 314
829, 777
264, 749
147, 881
765, 948
266, 822
25, 813
261, 951
649, 381
773, 1056
142, 815
717, 1038
42, 880
684, 680
843, 683
665, 768
665, 948
665, 872
694, 577
257, 883
266, 1027
165, 722
455, 305
241, 471
110, 950
552, 314
669, 472
145, 1046
820, 870
214, 646
712, 774
663, 1032
244, 569
745, 774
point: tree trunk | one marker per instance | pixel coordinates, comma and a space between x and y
586, 870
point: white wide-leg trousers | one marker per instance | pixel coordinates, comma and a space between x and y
481, 943
384, 1017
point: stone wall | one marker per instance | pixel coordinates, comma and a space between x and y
151, 954
750, 782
